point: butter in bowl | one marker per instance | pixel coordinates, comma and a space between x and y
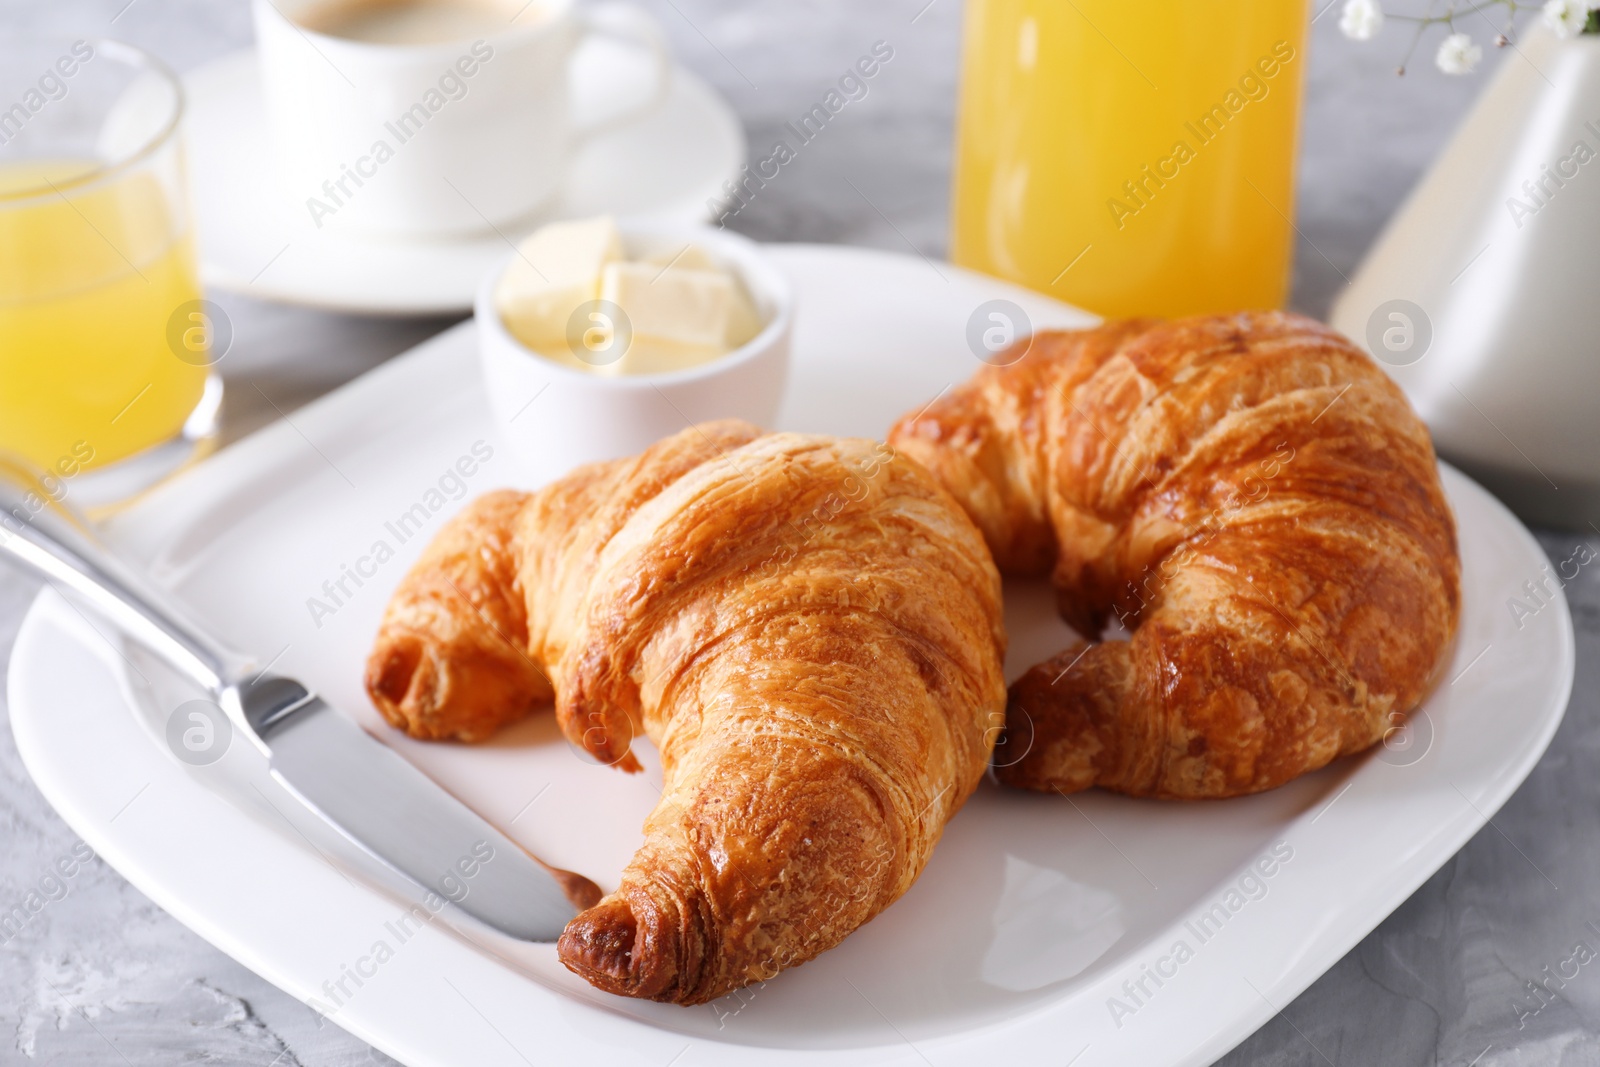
597, 339
680, 308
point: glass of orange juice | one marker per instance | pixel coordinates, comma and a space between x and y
1133, 159
105, 342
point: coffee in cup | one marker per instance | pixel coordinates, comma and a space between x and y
408, 22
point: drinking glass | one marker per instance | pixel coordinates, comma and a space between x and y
105, 342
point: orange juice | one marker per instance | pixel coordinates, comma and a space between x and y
1131, 158
91, 274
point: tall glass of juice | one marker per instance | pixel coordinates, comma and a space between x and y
1133, 159
105, 343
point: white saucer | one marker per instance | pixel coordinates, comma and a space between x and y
254, 240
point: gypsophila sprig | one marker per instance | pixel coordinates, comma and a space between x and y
1458, 53
1568, 18
1361, 20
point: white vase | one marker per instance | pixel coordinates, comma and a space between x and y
1483, 294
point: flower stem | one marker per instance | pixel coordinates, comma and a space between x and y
1511, 6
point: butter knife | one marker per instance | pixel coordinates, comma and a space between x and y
364, 789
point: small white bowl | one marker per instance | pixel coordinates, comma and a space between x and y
556, 417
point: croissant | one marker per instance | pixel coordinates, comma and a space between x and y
1253, 498
809, 630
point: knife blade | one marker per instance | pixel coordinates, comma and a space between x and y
385, 806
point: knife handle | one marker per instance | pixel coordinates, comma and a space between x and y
41, 535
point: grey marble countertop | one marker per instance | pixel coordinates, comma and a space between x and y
104, 976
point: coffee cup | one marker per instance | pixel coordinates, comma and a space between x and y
432, 118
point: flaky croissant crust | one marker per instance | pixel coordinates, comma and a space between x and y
1254, 498
809, 630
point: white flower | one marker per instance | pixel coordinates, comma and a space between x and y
1458, 55
1566, 17
1362, 19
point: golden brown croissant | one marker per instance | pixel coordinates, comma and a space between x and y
1254, 498
809, 630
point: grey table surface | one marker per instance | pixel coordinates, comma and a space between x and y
104, 976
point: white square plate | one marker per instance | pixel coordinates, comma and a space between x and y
1095, 930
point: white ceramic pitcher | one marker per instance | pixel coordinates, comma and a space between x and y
1481, 295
